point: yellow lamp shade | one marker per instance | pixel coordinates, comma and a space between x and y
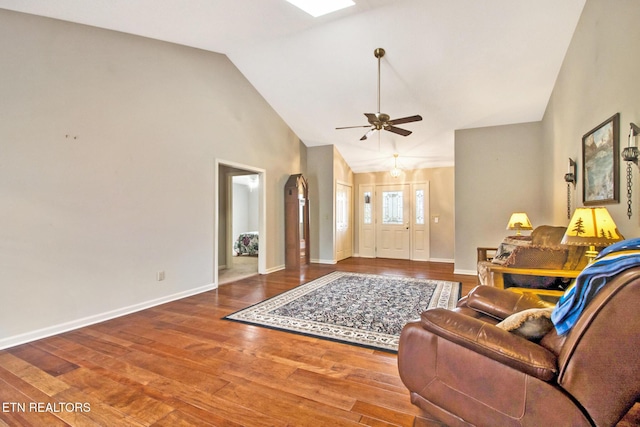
519, 221
591, 227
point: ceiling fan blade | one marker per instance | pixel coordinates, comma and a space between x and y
353, 127
409, 119
399, 131
373, 118
367, 135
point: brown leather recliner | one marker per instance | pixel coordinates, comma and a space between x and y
464, 371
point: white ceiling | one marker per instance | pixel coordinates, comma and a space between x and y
458, 63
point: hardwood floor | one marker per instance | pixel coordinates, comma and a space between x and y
179, 364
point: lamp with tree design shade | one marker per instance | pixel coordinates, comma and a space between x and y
519, 221
591, 227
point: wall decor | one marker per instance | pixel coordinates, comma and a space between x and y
600, 170
570, 179
631, 155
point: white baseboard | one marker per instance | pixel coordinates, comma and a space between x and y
444, 260
274, 269
363, 256
466, 272
324, 261
90, 320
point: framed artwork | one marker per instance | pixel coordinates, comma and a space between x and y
600, 171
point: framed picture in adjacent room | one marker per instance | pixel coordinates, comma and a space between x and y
600, 171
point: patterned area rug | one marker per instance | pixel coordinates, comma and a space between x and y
363, 309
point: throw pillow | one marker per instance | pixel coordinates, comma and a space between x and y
531, 324
503, 253
508, 245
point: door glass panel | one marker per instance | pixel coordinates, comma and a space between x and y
392, 207
419, 208
341, 210
367, 208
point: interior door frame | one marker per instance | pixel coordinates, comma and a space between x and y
262, 214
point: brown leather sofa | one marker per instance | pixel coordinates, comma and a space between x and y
464, 371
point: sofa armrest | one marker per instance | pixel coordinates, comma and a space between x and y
500, 303
486, 254
492, 342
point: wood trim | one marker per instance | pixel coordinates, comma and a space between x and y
497, 272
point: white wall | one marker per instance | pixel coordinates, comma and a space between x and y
245, 209
240, 209
107, 150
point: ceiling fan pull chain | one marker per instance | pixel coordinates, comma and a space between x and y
379, 53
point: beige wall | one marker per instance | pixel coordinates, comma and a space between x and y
498, 171
343, 175
441, 200
107, 150
325, 167
320, 175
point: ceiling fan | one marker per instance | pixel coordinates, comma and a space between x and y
382, 121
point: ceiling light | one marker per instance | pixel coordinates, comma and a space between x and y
395, 172
317, 8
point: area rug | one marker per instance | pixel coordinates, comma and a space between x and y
362, 309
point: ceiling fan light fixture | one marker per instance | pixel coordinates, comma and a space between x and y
317, 8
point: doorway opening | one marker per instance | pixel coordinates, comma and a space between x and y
240, 222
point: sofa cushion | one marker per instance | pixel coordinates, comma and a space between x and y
548, 236
508, 246
536, 257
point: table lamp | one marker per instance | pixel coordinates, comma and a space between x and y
519, 221
591, 227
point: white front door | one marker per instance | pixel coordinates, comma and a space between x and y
393, 221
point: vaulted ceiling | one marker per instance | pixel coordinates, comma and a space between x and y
458, 63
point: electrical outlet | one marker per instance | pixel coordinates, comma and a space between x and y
160, 276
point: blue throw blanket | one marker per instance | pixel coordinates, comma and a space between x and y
609, 262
